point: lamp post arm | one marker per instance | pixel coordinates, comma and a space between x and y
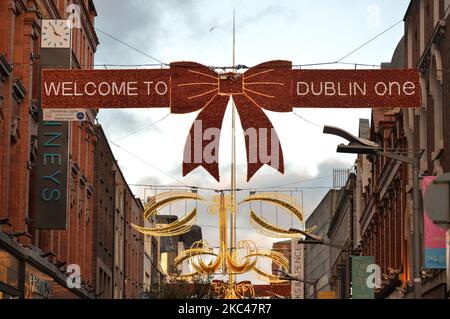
320, 241
307, 235
294, 278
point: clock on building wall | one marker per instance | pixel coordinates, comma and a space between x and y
55, 33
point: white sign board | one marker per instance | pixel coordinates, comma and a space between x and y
65, 115
297, 269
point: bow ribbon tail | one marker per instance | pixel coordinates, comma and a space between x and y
202, 144
261, 140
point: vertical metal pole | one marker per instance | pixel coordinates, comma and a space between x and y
233, 164
233, 189
416, 233
234, 39
223, 232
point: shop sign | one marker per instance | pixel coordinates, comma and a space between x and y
40, 287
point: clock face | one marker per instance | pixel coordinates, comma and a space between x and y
55, 34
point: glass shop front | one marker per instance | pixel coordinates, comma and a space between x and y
9, 275
39, 285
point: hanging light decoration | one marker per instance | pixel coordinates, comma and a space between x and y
202, 257
178, 227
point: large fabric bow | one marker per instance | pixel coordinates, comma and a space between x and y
266, 86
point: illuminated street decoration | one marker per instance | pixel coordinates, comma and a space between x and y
187, 87
265, 86
202, 257
289, 204
177, 227
234, 291
266, 228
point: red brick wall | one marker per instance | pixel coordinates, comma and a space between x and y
267, 290
443, 45
134, 241
384, 237
283, 247
103, 232
75, 245
20, 30
116, 209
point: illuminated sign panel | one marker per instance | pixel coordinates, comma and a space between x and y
188, 87
191, 83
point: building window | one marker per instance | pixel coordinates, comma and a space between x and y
9, 269
15, 130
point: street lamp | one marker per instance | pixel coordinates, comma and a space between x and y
314, 239
359, 145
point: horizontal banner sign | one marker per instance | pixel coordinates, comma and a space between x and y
356, 88
105, 88
188, 83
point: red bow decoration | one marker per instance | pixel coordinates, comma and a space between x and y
266, 86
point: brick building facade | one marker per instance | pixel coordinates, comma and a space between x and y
385, 216
120, 249
133, 245
273, 291
386, 226
385, 198
98, 237
283, 247
49, 251
427, 48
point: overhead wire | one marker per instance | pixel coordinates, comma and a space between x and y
369, 41
240, 66
166, 66
130, 46
292, 183
149, 164
142, 128
308, 121
284, 189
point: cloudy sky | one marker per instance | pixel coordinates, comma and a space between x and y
187, 30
